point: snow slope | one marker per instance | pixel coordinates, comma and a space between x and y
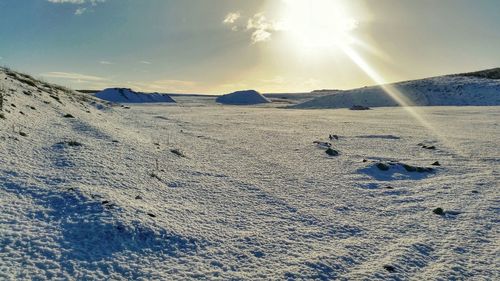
122, 95
248, 97
451, 90
229, 193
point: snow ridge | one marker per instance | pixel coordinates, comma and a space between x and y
452, 90
122, 95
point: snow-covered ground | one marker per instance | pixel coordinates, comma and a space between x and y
450, 90
204, 191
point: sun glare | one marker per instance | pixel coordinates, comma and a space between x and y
318, 24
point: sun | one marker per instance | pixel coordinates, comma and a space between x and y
318, 24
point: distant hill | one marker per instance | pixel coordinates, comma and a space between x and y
122, 95
248, 97
481, 88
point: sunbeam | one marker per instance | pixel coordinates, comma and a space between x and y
395, 94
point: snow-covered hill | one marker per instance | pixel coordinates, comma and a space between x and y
248, 97
91, 191
122, 95
470, 89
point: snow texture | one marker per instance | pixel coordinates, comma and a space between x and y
122, 95
451, 90
248, 97
91, 191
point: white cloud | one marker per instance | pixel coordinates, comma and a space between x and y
67, 1
78, 2
105, 62
232, 17
145, 62
72, 76
260, 27
80, 11
165, 85
260, 35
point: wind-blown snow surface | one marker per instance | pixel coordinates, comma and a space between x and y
122, 95
248, 97
253, 198
452, 90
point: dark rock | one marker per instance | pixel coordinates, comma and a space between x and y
152, 215
23, 134
68, 116
389, 187
389, 268
382, 166
138, 197
332, 152
436, 163
73, 143
105, 202
438, 211
409, 168
322, 143
364, 160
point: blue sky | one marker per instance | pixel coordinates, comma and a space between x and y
217, 46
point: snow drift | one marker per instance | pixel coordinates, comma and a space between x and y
243, 98
122, 95
469, 89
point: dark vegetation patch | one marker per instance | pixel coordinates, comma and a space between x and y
489, 74
359, 107
178, 152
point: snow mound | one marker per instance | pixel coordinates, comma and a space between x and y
122, 95
452, 90
243, 98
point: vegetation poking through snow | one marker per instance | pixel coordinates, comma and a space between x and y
178, 152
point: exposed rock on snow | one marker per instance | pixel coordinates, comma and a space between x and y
451, 90
332, 152
394, 170
248, 97
122, 95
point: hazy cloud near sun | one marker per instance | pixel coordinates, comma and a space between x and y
259, 25
232, 17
